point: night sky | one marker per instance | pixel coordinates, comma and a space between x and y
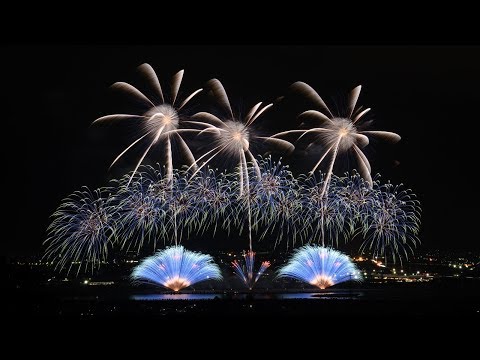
427, 94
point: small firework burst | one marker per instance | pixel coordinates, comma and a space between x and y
245, 272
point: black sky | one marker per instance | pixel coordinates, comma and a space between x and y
427, 94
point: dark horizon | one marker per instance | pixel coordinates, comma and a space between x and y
423, 93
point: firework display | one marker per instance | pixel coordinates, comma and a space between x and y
155, 208
152, 212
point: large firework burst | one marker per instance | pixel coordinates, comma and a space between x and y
176, 268
82, 230
336, 134
320, 266
160, 123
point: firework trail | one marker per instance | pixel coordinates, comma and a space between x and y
393, 224
337, 134
160, 124
176, 268
82, 230
245, 272
320, 266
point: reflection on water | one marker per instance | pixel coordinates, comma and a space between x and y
155, 297
338, 295
322, 295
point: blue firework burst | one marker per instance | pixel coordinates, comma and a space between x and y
176, 268
141, 213
355, 199
393, 225
212, 194
320, 266
82, 230
323, 216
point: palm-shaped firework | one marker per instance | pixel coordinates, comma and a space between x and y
233, 136
160, 123
320, 266
337, 134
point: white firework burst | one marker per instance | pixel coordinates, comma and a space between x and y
233, 136
160, 124
337, 134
